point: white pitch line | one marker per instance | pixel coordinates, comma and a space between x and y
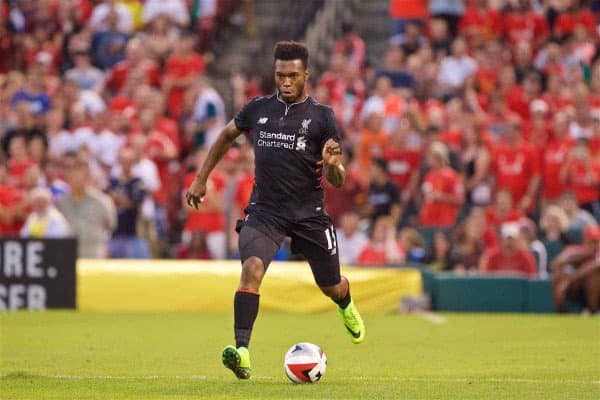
351, 378
433, 318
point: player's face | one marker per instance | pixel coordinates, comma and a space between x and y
290, 76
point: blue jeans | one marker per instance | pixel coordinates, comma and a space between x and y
128, 247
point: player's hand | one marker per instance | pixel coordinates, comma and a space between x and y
332, 153
195, 194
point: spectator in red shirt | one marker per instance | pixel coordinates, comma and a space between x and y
555, 156
382, 248
582, 176
181, 69
511, 257
209, 218
351, 195
351, 46
502, 210
516, 167
442, 189
135, 59
522, 23
519, 97
13, 207
575, 16
480, 22
403, 162
18, 159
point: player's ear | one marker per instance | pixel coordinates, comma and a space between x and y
306, 74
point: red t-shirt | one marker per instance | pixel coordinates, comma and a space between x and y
528, 27
521, 262
555, 156
408, 9
346, 198
10, 196
583, 181
181, 67
514, 168
480, 22
371, 255
401, 164
243, 191
17, 169
208, 221
566, 23
435, 213
118, 75
494, 219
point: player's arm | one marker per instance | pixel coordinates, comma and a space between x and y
197, 189
332, 162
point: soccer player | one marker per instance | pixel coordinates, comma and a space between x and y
295, 141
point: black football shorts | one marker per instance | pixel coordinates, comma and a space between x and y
261, 234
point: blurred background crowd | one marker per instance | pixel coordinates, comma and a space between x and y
472, 143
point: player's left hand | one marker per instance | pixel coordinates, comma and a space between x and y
195, 194
332, 153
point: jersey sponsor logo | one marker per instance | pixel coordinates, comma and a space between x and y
301, 143
282, 141
263, 120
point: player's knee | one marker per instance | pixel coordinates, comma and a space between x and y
253, 271
335, 292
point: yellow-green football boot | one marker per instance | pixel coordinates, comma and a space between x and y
353, 322
237, 360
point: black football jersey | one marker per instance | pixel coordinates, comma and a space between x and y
288, 141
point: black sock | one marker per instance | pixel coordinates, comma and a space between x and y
343, 303
245, 309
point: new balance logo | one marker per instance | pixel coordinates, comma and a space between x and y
263, 120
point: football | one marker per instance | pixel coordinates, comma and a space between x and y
305, 363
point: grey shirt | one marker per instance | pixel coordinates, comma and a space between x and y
92, 221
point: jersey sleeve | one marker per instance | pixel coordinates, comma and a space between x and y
243, 119
331, 129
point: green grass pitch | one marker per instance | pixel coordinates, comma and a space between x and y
74, 355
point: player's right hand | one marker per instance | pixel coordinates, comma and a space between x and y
195, 194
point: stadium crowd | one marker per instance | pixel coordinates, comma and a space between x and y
472, 145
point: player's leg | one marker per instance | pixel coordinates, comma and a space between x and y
256, 250
592, 291
319, 246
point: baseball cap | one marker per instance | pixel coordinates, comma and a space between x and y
539, 105
509, 229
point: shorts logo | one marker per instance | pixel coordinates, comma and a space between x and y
263, 120
304, 129
331, 240
301, 143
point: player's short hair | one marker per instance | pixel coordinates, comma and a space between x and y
291, 50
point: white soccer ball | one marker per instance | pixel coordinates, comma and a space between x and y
305, 363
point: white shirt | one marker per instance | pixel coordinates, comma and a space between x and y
454, 71
210, 96
61, 143
106, 146
350, 246
124, 18
173, 8
52, 225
